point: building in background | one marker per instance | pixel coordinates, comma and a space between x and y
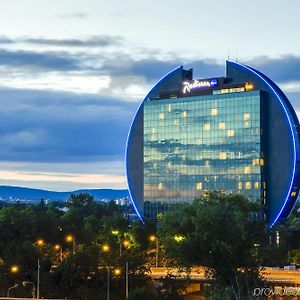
237, 133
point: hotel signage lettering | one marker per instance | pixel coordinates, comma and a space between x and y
189, 86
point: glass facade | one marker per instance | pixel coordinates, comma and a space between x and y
199, 143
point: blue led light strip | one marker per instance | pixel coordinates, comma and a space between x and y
292, 132
128, 137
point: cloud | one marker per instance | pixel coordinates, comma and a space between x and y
41, 126
93, 41
5, 40
32, 60
280, 69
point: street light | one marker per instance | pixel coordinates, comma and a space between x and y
58, 247
154, 238
71, 239
105, 248
40, 243
14, 269
11, 288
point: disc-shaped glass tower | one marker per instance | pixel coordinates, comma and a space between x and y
237, 133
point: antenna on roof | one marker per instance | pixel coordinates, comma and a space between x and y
236, 56
228, 56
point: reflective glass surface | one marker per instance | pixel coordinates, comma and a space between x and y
200, 143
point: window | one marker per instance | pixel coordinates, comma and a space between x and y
160, 186
206, 127
248, 185
214, 111
247, 170
230, 132
240, 185
161, 116
176, 122
221, 125
222, 155
246, 117
256, 185
199, 186
184, 114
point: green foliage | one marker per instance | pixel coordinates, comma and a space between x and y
221, 232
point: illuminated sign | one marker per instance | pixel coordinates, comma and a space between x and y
188, 86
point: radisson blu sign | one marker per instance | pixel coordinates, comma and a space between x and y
188, 86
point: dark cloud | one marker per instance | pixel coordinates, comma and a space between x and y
281, 69
152, 68
39, 126
31, 60
93, 41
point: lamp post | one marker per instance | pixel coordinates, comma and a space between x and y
58, 247
71, 239
106, 249
154, 238
40, 243
11, 288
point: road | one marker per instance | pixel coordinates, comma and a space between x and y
270, 274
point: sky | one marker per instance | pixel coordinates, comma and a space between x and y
72, 74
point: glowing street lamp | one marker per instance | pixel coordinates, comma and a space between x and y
117, 271
71, 239
14, 269
40, 242
105, 248
58, 247
154, 238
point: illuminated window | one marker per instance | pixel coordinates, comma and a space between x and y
176, 150
240, 185
264, 184
153, 137
221, 125
261, 162
249, 86
248, 185
176, 122
161, 116
206, 127
169, 164
199, 186
230, 132
256, 185
214, 111
247, 170
160, 186
293, 194
184, 114
246, 117
255, 162
207, 164
222, 155
170, 108
183, 157
240, 155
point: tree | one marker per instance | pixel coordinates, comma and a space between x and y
223, 233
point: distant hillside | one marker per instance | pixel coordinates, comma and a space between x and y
37, 194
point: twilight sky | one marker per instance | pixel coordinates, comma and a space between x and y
73, 72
